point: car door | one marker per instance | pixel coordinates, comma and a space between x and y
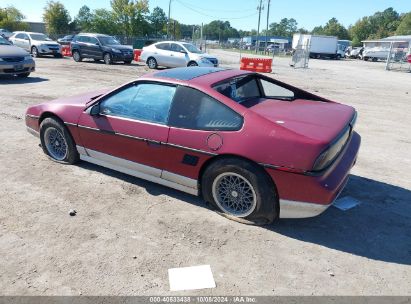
162, 54
18, 40
94, 48
178, 56
130, 130
199, 128
82, 42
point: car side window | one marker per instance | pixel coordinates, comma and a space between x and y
145, 101
20, 36
195, 110
163, 46
93, 40
274, 90
176, 48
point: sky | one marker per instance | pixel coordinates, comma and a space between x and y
242, 14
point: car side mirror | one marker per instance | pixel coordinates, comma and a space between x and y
26, 38
184, 52
95, 110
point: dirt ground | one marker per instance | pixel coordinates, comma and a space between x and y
129, 232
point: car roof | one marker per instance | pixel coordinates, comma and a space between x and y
202, 76
92, 34
185, 73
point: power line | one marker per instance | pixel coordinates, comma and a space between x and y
212, 16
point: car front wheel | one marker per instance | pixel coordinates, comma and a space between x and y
77, 56
35, 52
108, 59
241, 191
57, 142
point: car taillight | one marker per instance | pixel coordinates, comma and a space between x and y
328, 156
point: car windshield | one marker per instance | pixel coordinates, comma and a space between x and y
108, 41
40, 37
191, 48
4, 41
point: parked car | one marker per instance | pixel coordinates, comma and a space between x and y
36, 43
15, 60
272, 48
173, 54
100, 47
5, 33
375, 54
201, 130
66, 40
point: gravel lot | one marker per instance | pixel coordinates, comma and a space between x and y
128, 232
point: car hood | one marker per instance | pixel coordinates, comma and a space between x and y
318, 121
119, 47
12, 51
80, 100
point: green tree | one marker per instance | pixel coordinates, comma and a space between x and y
220, 30
103, 21
158, 20
57, 18
286, 28
12, 19
84, 18
332, 28
130, 16
404, 28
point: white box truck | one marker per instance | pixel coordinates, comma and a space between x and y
319, 46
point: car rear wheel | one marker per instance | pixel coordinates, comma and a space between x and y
241, 191
152, 63
127, 61
35, 52
77, 56
57, 142
23, 75
107, 58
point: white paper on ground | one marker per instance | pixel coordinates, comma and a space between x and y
189, 278
345, 203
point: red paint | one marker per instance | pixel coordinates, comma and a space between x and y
288, 135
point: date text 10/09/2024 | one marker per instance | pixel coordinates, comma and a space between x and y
203, 299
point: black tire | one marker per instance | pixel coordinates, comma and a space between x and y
128, 61
108, 59
77, 56
53, 124
58, 56
339, 57
152, 63
264, 208
35, 51
192, 64
374, 59
23, 75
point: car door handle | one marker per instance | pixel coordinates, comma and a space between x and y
153, 143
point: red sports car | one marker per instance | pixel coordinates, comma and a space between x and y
255, 148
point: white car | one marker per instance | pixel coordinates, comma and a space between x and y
37, 44
173, 54
5, 33
375, 53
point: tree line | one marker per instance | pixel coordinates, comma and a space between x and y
132, 18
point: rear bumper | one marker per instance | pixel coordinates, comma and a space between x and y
309, 195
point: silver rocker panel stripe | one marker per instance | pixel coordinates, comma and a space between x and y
293, 209
151, 174
33, 132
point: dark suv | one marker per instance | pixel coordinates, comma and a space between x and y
100, 47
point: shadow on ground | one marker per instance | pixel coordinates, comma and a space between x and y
20, 80
379, 228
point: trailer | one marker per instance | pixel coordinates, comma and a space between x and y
320, 46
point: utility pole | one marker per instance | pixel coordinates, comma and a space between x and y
257, 43
168, 23
266, 31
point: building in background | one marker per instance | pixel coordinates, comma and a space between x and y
38, 27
